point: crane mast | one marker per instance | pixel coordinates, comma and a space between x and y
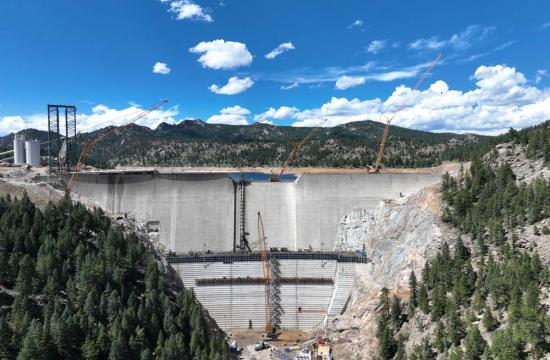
267, 277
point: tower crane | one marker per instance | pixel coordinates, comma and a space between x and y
91, 143
386, 131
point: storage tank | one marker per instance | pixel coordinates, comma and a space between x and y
32, 152
18, 150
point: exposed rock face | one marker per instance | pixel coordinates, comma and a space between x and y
526, 170
398, 237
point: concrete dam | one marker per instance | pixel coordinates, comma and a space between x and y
199, 218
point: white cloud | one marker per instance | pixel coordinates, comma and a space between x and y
427, 44
235, 85
502, 99
101, 116
345, 82
332, 74
290, 86
284, 47
459, 41
235, 115
544, 26
284, 112
161, 68
356, 23
376, 46
221, 54
541, 74
188, 10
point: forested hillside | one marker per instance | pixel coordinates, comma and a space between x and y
74, 287
487, 297
196, 143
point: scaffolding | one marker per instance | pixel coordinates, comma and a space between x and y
61, 137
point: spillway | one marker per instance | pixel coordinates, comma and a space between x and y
197, 214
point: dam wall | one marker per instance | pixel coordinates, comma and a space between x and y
192, 212
199, 212
303, 306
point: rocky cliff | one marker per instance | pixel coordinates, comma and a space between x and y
399, 237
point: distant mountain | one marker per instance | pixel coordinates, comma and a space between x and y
196, 143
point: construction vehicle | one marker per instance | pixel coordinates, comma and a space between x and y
261, 345
295, 148
322, 350
88, 146
386, 132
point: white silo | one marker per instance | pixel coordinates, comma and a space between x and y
18, 149
32, 152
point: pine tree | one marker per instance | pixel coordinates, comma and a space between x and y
413, 301
474, 343
32, 347
440, 341
423, 302
489, 321
455, 329
395, 313
386, 343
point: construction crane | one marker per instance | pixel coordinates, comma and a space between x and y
267, 278
386, 131
295, 148
90, 144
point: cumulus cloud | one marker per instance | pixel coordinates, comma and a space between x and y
235, 85
290, 86
345, 82
501, 99
284, 47
188, 10
283, 112
221, 54
458, 41
376, 46
161, 68
101, 116
356, 24
234, 115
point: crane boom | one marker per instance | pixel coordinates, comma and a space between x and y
293, 152
386, 131
267, 276
91, 143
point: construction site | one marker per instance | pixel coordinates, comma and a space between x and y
259, 249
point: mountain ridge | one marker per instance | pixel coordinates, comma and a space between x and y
197, 143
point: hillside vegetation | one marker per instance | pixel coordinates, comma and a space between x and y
74, 287
484, 298
196, 143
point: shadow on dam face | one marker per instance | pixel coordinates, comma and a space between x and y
199, 212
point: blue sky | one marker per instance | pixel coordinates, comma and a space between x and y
338, 60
